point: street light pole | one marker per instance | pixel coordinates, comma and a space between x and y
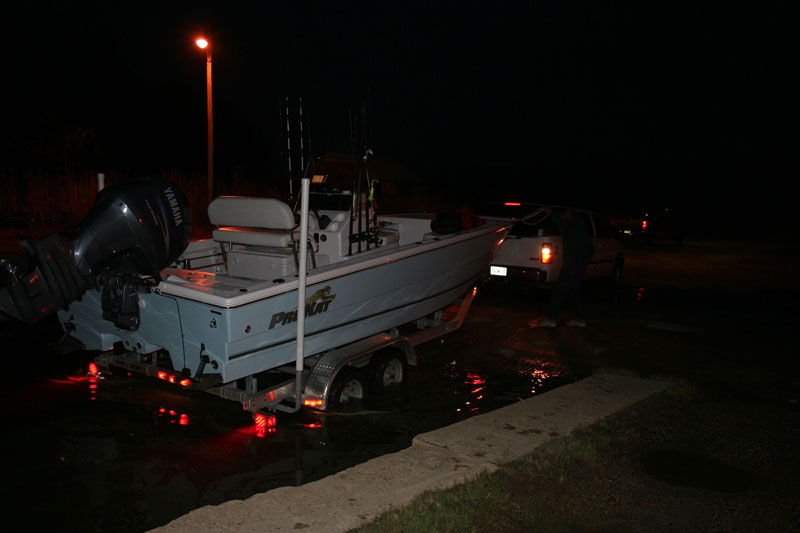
203, 44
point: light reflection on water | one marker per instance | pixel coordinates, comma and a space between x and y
540, 373
476, 392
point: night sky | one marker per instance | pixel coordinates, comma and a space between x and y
612, 102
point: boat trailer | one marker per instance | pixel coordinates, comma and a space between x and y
321, 372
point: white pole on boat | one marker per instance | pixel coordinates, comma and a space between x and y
301, 287
289, 148
302, 253
302, 146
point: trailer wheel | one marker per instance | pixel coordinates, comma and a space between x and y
349, 387
387, 368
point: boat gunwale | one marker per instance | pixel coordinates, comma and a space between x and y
188, 292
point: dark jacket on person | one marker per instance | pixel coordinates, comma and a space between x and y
576, 237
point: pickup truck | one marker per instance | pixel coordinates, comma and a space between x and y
533, 248
650, 226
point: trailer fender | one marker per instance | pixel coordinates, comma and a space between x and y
357, 355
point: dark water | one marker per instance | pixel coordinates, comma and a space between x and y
127, 453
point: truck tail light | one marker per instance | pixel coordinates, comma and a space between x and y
547, 253
644, 225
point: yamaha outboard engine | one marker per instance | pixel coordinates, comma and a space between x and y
132, 232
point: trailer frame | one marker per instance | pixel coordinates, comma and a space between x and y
320, 371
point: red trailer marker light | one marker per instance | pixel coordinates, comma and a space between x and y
162, 375
644, 225
513, 204
265, 424
312, 403
93, 369
183, 420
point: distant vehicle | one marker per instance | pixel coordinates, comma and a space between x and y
533, 248
650, 226
629, 227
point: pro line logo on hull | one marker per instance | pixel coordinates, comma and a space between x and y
315, 304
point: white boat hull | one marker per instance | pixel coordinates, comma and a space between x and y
244, 326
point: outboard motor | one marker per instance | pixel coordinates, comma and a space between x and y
132, 232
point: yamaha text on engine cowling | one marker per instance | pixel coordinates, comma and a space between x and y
132, 232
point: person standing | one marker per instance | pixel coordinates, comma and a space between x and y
577, 248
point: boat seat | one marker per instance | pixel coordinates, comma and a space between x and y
253, 236
251, 221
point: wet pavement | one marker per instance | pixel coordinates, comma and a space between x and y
130, 454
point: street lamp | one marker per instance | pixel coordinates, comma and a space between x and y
203, 44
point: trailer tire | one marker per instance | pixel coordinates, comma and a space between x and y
387, 368
349, 388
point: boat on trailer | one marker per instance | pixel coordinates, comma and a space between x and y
225, 308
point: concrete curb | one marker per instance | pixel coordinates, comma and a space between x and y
438, 459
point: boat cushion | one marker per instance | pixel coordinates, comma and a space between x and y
257, 222
247, 212
253, 236
251, 221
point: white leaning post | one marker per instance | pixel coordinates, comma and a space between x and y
302, 252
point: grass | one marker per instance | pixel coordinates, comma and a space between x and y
697, 457
519, 495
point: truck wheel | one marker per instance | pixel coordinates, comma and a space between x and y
387, 368
349, 388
